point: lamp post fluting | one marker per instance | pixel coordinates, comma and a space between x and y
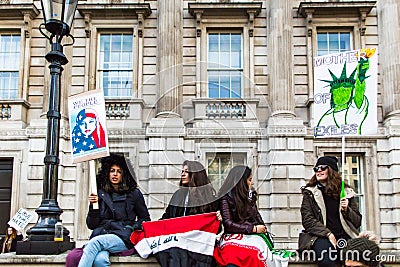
58, 18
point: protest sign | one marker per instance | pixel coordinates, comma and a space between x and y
21, 219
87, 118
345, 93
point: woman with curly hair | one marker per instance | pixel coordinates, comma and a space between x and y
325, 217
121, 210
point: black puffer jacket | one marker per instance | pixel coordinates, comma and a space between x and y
111, 220
231, 224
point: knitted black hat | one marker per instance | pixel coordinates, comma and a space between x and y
328, 160
362, 250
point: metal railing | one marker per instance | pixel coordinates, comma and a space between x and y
5, 113
117, 110
226, 110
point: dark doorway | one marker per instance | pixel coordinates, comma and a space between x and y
6, 170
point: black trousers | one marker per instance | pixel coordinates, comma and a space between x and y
326, 254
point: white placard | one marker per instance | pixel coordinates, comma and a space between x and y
345, 93
21, 219
87, 117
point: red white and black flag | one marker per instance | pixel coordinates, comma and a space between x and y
183, 241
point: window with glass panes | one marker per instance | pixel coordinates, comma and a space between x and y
9, 65
354, 177
225, 65
115, 66
219, 165
333, 42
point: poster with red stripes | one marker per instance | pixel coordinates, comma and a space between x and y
195, 234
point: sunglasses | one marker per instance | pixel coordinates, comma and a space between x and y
322, 167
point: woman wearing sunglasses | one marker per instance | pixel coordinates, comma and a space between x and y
325, 217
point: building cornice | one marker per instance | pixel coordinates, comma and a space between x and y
335, 8
229, 8
122, 11
18, 11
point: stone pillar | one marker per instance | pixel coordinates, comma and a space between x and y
389, 55
165, 157
170, 28
281, 166
389, 164
282, 153
280, 43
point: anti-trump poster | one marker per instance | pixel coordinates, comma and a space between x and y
87, 118
345, 93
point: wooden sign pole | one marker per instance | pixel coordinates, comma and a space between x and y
92, 180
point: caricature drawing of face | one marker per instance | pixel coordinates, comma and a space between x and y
88, 125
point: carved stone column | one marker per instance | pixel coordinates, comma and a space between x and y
280, 43
389, 68
389, 55
169, 56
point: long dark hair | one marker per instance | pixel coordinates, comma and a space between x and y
333, 183
128, 181
235, 184
200, 188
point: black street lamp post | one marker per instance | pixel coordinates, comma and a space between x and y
58, 18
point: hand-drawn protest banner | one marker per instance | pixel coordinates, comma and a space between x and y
87, 118
21, 219
345, 93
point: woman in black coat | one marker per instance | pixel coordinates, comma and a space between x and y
121, 210
196, 194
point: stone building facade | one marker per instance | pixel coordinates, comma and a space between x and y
166, 102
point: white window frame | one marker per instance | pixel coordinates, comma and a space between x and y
361, 179
222, 175
233, 31
22, 82
9, 70
98, 27
211, 25
335, 30
99, 69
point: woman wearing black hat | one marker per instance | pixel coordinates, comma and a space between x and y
121, 210
325, 217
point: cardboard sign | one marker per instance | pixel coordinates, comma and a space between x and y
21, 219
87, 117
345, 93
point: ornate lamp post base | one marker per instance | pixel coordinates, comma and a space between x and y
31, 247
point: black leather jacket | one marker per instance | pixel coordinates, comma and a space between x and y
110, 220
231, 224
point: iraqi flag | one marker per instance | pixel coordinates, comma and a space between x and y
183, 241
254, 250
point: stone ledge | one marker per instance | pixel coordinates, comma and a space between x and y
11, 259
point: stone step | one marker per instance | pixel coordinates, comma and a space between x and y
12, 260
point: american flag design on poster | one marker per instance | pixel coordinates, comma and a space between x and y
88, 126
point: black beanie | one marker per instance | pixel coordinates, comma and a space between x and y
328, 160
362, 250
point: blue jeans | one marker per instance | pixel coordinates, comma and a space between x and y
97, 252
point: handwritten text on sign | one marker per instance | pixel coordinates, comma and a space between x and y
20, 219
